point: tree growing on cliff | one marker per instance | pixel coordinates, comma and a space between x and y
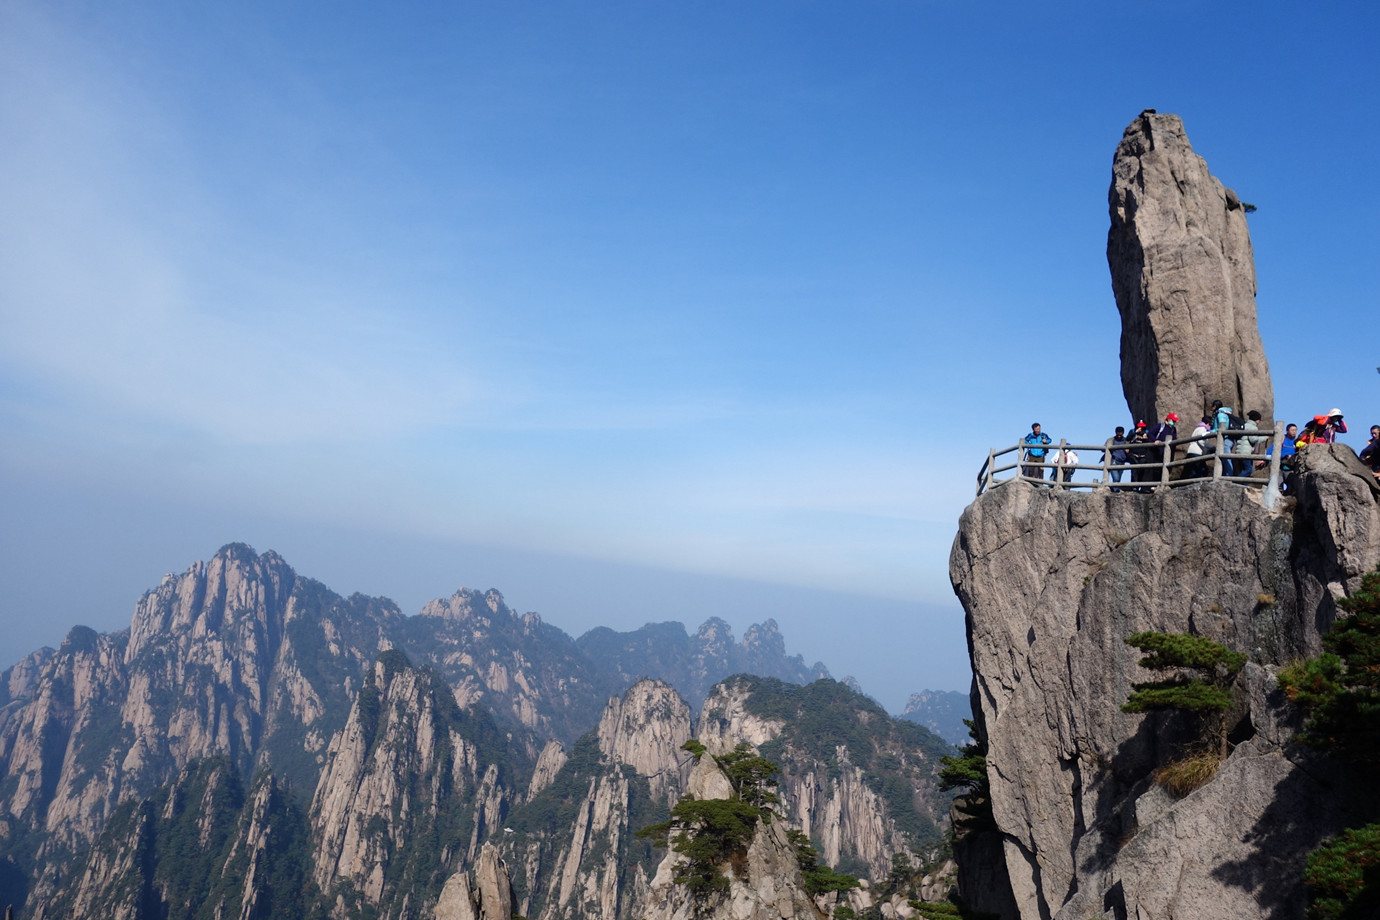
1201, 674
1341, 690
711, 833
967, 772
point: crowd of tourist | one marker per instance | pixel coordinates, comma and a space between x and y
1244, 448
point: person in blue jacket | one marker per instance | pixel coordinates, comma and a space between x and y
1118, 448
1035, 452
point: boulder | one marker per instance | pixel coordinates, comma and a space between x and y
1184, 278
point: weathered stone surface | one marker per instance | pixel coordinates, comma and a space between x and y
401, 765
826, 792
767, 885
1052, 583
645, 729
552, 758
1184, 278
484, 894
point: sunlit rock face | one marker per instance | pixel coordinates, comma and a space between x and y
1184, 279
1052, 583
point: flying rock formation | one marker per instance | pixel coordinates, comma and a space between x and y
1184, 278
1085, 818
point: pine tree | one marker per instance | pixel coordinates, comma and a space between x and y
1341, 690
1204, 672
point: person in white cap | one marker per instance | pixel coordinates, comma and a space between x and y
1334, 427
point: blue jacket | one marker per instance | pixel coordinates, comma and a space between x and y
1036, 453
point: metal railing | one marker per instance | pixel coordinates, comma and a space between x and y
1174, 467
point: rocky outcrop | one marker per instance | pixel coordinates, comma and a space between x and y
528, 672
486, 893
645, 729
1052, 583
843, 763
1184, 279
573, 843
765, 884
409, 770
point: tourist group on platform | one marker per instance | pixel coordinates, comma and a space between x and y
1142, 450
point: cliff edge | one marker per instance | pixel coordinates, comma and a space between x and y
1052, 583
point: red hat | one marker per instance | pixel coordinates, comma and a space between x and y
1140, 424
1171, 417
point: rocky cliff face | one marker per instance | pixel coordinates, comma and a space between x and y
385, 752
221, 661
528, 672
412, 785
860, 784
201, 843
486, 893
572, 844
765, 884
1052, 583
1184, 279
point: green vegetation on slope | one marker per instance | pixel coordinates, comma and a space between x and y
825, 716
1341, 690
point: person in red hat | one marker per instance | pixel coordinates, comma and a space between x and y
1161, 435
1138, 450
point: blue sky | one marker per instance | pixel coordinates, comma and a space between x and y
633, 311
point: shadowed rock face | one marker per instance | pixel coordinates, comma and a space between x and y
1184, 278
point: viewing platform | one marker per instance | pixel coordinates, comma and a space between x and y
1173, 469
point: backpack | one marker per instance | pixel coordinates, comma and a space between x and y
1235, 422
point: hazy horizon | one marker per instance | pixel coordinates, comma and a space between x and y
621, 309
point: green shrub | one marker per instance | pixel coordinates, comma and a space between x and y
1343, 876
1206, 693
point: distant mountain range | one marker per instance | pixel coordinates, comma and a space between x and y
255, 743
942, 712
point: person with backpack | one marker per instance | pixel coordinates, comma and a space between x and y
1313, 432
1199, 446
1035, 452
1224, 418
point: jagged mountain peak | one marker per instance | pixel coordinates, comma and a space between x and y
715, 633
644, 729
466, 604
353, 709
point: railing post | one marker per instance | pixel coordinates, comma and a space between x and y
1106, 462
1217, 456
1272, 489
1059, 465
